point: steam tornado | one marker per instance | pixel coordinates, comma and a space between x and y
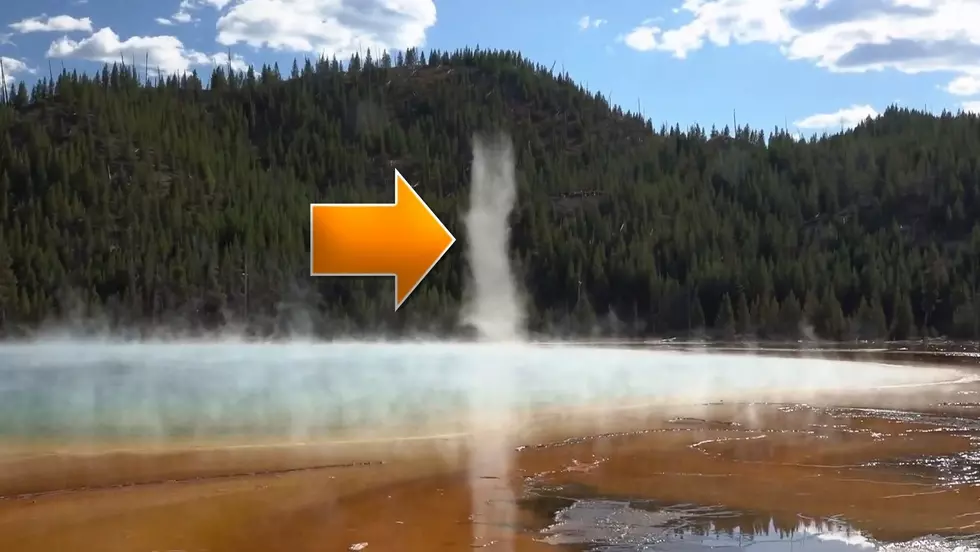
494, 309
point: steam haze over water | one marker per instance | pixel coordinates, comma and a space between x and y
163, 390
99, 388
71, 391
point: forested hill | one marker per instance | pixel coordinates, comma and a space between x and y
152, 202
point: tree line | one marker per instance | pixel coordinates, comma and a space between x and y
148, 201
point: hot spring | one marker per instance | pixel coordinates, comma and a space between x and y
93, 390
79, 414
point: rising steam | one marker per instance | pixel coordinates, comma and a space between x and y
81, 389
495, 311
494, 307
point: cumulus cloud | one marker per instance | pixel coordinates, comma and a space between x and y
911, 36
58, 23
13, 69
216, 4
182, 15
236, 62
971, 106
166, 53
327, 27
587, 22
847, 117
642, 38
964, 85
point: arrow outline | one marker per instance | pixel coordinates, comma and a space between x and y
398, 175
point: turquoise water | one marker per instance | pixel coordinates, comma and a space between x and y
105, 389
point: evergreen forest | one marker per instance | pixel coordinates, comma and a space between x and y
143, 201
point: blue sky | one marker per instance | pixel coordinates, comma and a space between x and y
814, 65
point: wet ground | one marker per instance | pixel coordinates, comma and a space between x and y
901, 472
772, 474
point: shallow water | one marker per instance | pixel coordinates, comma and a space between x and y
756, 475
885, 468
618, 526
88, 390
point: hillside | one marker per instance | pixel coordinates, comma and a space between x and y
152, 202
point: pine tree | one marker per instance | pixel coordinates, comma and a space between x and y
697, 315
725, 320
743, 317
903, 321
790, 316
8, 285
144, 198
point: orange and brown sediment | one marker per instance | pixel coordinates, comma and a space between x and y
896, 478
868, 467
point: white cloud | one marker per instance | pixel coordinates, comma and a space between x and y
186, 7
971, 106
166, 53
587, 22
911, 36
846, 118
182, 17
327, 26
964, 85
12, 69
237, 62
642, 38
183, 14
216, 4
58, 23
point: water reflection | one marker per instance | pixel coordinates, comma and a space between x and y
891, 479
633, 526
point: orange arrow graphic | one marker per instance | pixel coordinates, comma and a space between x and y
404, 239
